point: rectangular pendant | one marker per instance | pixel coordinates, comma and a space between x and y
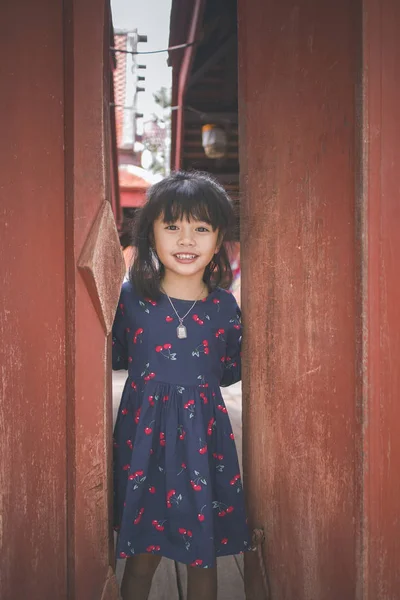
181, 332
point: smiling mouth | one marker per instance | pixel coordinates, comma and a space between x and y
185, 256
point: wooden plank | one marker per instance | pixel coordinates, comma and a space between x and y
33, 536
88, 191
381, 299
224, 49
298, 159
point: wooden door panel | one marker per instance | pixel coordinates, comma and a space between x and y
95, 270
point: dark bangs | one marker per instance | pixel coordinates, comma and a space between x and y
194, 199
181, 196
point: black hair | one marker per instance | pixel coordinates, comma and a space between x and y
126, 237
181, 195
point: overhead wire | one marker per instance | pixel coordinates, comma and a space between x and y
170, 49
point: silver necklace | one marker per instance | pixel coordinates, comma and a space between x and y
181, 330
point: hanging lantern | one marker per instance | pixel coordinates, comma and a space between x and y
214, 141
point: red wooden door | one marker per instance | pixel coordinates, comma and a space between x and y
94, 274
320, 157
61, 273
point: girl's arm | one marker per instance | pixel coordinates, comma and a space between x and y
233, 360
119, 338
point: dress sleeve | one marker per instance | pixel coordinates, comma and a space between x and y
119, 339
232, 371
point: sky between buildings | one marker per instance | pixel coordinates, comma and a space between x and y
151, 18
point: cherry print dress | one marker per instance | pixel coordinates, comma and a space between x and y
177, 486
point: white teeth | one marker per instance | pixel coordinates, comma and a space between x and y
185, 256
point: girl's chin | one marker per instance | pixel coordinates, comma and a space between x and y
185, 269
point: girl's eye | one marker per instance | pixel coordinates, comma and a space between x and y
171, 227
202, 229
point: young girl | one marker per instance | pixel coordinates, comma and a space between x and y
178, 490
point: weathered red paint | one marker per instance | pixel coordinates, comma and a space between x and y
298, 69
32, 304
381, 299
55, 409
89, 417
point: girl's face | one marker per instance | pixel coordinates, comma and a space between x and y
185, 247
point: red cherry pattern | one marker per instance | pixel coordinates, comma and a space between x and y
135, 475
173, 498
222, 509
195, 486
150, 301
196, 563
158, 437
158, 525
165, 351
202, 348
197, 320
138, 516
211, 425
200, 516
235, 479
138, 333
204, 398
218, 456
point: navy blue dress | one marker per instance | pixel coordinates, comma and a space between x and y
177, 485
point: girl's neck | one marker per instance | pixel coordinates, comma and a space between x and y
184, 288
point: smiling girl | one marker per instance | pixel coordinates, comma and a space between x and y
177, 484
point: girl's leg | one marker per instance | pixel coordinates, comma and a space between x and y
138, 575
202, 583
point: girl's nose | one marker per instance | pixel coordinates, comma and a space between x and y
186, 238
